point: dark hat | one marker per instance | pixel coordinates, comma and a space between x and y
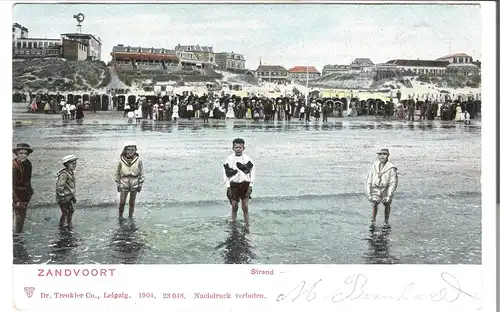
22, 146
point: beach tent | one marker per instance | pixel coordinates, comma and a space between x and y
151, 98
120, 102
105, 102
131, 99
17, 98
98, 102
76, 98
314, 93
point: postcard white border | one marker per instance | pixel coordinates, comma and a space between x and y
488, 179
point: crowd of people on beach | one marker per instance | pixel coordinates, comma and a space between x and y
228, 107
285, 108
53, 104
294, 106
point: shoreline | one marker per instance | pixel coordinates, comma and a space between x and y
116, 117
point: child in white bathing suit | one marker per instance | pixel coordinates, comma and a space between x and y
129, 178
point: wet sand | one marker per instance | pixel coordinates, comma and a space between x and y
308, 203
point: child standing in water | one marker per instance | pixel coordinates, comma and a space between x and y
129, 178
66, 190
239, 176
21, 184
381, 184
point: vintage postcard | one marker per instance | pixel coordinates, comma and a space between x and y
174, 156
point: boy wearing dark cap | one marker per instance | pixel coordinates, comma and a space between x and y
21, 184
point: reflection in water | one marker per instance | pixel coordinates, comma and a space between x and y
63, 250
20, 254
285, 194
280, 126
237, 246
379, 248
126, 242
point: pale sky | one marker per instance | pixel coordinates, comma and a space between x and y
286, 35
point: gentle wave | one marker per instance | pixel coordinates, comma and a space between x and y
85, 204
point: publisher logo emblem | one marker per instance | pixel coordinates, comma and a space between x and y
29, 291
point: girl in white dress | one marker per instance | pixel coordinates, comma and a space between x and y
155, 111
230, 110
65, 110
138, 113
175, 112
71, 110
248, 115
458, 115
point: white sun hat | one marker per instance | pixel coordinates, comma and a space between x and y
69, 158
130, 143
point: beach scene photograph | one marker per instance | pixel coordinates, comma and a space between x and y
246, 133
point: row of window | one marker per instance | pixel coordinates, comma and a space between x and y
426, 71
35, 45
151, 62
192, 57
314, 75
140, 50
238, 65
235, 57
145, 62
462, 60
39, 52
187, 56
189, 49
462, 70
280, 74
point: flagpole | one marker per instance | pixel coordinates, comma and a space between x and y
307, 84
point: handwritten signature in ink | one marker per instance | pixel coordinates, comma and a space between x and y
354, 289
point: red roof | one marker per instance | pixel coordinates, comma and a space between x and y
303, 69
145, 56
